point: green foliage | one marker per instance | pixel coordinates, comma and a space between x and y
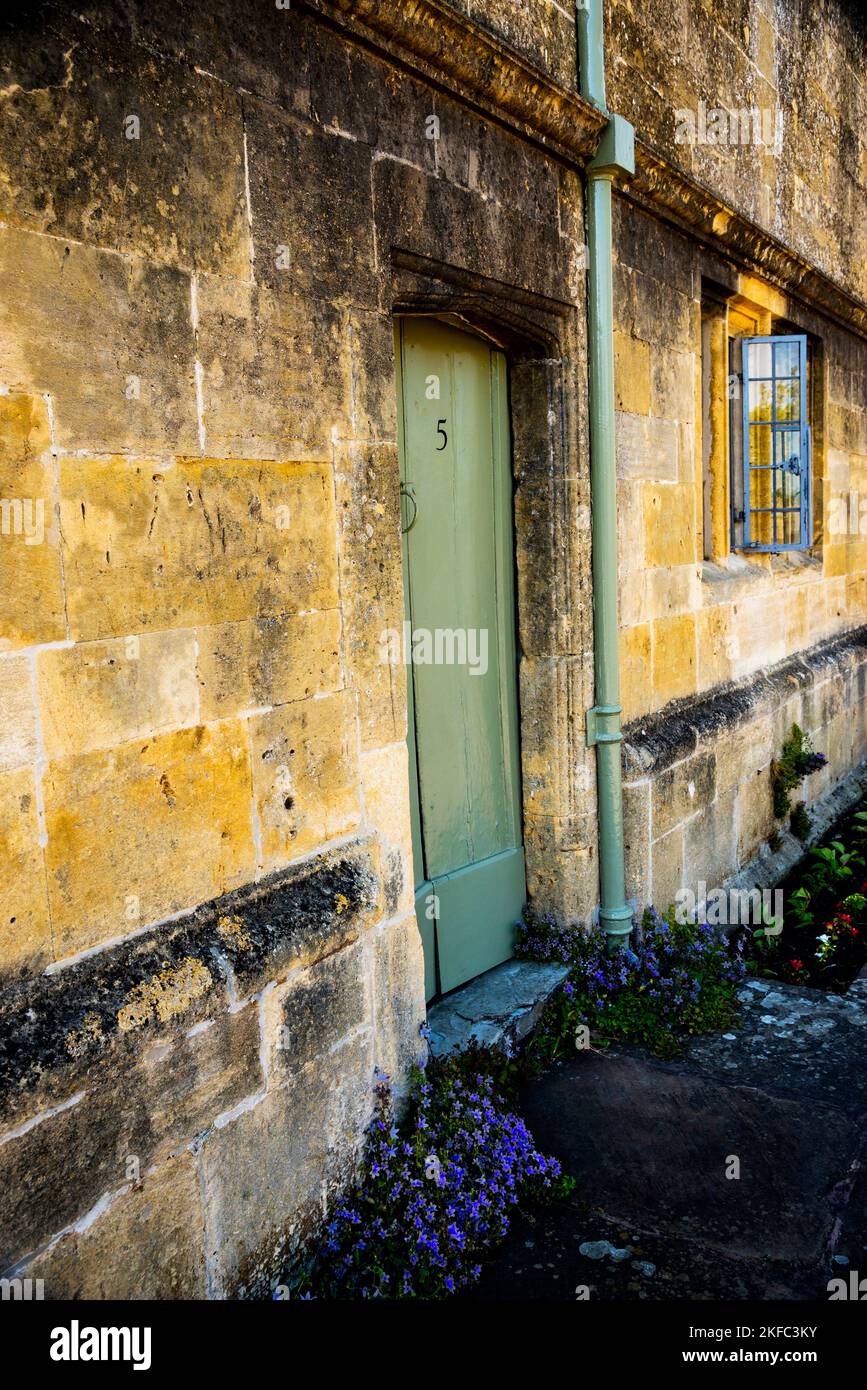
799, 911
796, 761
831, 866
679, 979
800, 822
825, 914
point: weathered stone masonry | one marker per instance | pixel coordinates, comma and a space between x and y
196, 350
209, 219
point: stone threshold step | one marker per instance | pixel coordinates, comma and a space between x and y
498, 1009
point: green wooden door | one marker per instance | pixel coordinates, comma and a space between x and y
459, 640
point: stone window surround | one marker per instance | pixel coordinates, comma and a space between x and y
739, 569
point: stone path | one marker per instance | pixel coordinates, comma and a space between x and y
654, 1216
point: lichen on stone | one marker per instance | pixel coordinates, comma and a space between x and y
89, 1035
234, 930
169, 993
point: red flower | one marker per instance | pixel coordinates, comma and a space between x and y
796, 964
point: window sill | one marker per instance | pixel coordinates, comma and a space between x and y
795, 560
736, 571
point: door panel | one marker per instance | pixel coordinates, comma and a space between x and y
458, 559
478, 908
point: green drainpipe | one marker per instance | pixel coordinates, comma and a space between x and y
615, 155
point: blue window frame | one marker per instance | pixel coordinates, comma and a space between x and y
775, 511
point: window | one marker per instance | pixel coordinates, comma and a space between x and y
770, 444
761, 429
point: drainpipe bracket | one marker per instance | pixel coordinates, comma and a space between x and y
615, 153
597, 727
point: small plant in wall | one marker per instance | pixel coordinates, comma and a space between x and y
824, 941
796, 761
800, 822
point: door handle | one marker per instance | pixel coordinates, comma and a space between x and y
408, 496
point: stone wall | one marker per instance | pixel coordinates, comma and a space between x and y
210, 219
207, 227
703, 627
698, 792
689, 624
798, 60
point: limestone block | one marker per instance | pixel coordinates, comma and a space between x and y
145, 156
305, 775
552, 740
669, 525
144, 830
680, 791
478, 155
710, 843
25, 926
356, 97
18, 726
315, 1011
398, 998
62, 305
99, 694
636, 834
673, 589
667, 868
148, 546
672, 386
630, 529
562, 868
796, 619
31, 594
674, 657
742, 754
138, 1112
267, 661
458, 226
632, 374
385, 779
633, 602
310, 193
534, 451
760, 625
270, 57
756, 819
636, 683
550, 595
146, 1244
368, 505
268, 1173
714, 645
276, 371
369, 336
646, 447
